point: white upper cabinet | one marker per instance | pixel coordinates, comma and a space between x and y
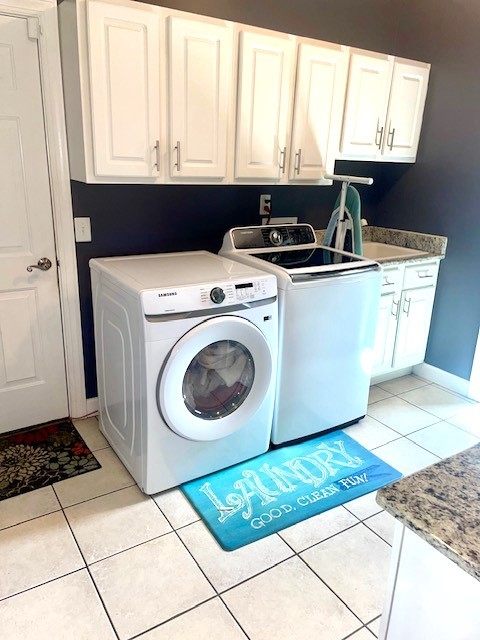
263, 104
405, 110
366, 104
124, 89
384, 107
319, 96
200, 71
155, 95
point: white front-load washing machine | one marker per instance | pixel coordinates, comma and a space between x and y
186, 350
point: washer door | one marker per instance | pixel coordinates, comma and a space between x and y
215, 378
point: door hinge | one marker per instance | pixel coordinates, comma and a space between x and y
34, 28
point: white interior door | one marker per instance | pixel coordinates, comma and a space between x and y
199, 97
32, 365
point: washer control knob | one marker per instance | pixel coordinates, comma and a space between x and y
217, 295
275, 237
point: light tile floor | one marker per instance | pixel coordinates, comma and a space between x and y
92, 558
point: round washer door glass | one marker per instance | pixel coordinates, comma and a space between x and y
215, 378
218, 379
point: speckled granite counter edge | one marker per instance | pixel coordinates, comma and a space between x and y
436, 246
441, 504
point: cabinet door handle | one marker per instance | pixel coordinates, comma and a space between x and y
379, 132
283, 157
392, 134
394, 304
298, 159
407, 311
177, 149
424, 274
386, 282
156, 146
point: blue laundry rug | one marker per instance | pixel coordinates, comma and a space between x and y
263, 495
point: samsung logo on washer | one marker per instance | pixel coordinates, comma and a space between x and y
167, 293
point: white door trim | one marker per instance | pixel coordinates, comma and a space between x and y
52, 89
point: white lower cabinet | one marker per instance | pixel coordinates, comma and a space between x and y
404, 316
429, 596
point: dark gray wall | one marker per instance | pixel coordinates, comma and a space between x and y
436, 195
136, 219
441, 192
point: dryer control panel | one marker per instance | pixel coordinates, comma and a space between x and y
208, 296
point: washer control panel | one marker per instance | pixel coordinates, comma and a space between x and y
291, 235
209, 296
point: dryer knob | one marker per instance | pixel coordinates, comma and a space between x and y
217, 295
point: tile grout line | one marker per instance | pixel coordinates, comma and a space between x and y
376, 532
217, 593
88, 571
177, 615
325, 583
41, 584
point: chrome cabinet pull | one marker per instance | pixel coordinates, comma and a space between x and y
396, 305
379, 131
390, 133
424, 274
44, 264
298, 159
177, 149
386, 282
283, 157
156, 146
409, 300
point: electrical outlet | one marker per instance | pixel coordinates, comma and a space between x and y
265, 205
83, 232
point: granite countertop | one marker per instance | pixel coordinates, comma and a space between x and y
432, 246
441, 504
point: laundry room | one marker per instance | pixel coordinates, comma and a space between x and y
220, 417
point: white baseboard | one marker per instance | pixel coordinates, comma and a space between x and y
442, 378
391, 375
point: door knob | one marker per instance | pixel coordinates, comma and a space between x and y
43, 264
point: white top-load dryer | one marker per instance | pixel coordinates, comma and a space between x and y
186, 349
328, 304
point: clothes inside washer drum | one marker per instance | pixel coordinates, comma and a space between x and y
218, 379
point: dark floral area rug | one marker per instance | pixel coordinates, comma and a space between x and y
37, 456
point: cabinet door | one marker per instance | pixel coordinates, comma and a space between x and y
385, 333
413, 326
264, 91
124, 88
366, 104
200, 73
319, 95
405, 109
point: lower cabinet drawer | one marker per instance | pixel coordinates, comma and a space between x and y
420, 275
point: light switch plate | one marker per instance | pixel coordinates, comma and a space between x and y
83, 232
